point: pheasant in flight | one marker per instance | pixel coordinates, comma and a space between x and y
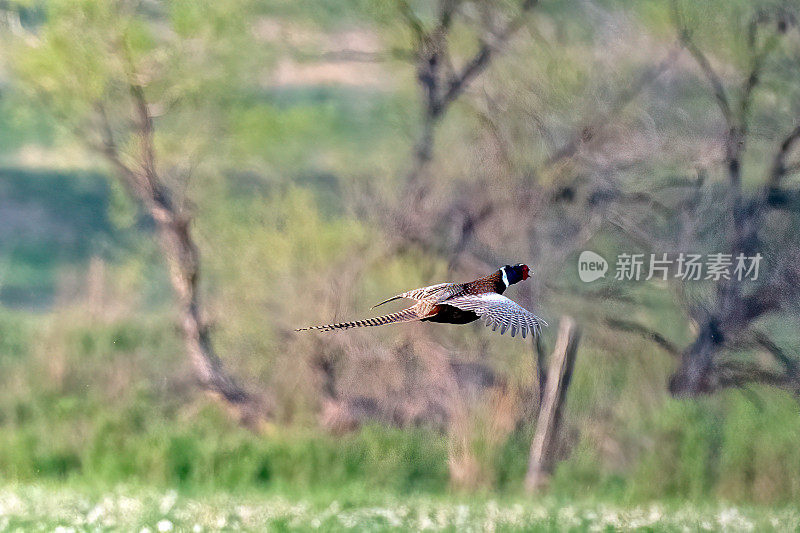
461, 303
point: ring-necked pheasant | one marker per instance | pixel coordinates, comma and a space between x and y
461, 303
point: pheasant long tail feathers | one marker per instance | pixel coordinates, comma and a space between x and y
393, 298
406, 315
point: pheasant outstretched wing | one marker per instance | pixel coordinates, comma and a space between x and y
497, 310
432, 293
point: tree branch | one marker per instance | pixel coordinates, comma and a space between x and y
645, 332
482, 57
685, 37
779, 168
109, 149
432, 56
571, 147
790, 364
758, 59
179, 249
413, 21
739, 374
156, 191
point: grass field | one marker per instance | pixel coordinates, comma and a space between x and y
63, 508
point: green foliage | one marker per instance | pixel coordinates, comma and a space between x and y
681, 460
87, 48
760, 460
112, 419
22, 124
99, 410
16, 330
316, 129
511, 460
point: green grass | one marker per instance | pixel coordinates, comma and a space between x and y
98, 403
67, 508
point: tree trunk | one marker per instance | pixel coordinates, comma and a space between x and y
695, 375
183, 260
144, 183
543, 447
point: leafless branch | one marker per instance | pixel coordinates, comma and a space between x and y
590, 128
758, 57
362, 56
108, 148
482, 57
789, 363
412, 20
645, 332
720, 94
177, 245
739, 374
779, 167
441, 85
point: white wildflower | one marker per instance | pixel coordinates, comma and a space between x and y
425, 522
168, 501
94, 514
655, 513
462, 515
732, 519
164, 525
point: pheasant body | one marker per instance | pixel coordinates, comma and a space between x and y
447, 314
460, 303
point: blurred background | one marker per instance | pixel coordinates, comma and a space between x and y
182, 184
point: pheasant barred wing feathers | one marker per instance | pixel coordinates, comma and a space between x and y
499, 311
433, 293
441, 292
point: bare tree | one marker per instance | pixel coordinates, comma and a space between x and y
685, 214
173, 223
108, 101
729, 322
441, 83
